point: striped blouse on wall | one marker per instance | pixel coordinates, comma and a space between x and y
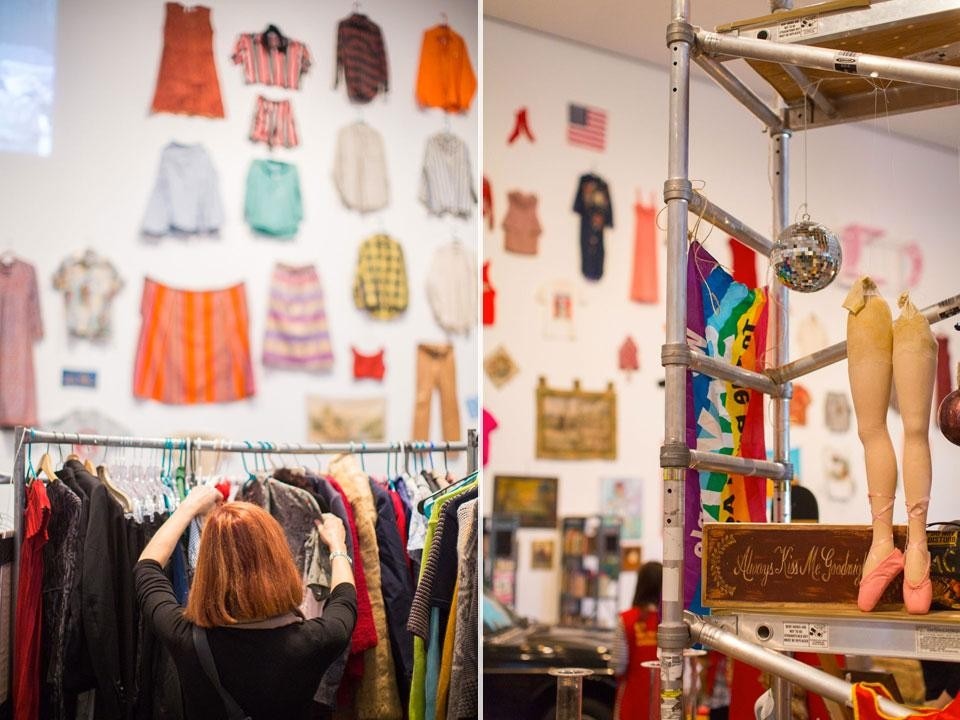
361, 58
271, 59
446, 182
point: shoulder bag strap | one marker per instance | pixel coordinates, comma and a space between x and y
200, 644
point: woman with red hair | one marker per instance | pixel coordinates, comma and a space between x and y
241, 644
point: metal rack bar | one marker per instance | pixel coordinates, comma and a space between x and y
720, 218
723, 370
673, 635
851, 63
43, 436
935, 313
702, 460
733, 85
887, 634
810, 90
811, 678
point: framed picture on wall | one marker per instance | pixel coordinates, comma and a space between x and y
532, 499
541, 554
576, 424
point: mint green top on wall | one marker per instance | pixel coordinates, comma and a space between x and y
273, 205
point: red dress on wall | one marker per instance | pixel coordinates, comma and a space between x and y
187, 83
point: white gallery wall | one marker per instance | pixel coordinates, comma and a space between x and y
93, 189
857, 176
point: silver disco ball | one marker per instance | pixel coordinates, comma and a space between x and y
806, 256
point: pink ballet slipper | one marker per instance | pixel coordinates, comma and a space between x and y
877, 580
917, 597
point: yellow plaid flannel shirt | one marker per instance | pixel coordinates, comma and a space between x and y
380, 283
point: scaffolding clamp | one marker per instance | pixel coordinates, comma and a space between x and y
680, 31
674, 354
677, 189
674, 455
674, 637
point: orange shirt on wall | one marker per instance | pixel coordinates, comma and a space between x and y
445, 78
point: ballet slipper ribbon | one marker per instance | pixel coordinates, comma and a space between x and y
857, 297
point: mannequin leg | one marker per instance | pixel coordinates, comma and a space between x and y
914, 372
870, 368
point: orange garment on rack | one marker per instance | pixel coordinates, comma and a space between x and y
866, 699
187, 83
445, 78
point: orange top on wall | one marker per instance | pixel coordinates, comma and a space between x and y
187, 83
445, 78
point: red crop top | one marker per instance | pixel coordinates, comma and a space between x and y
368, 366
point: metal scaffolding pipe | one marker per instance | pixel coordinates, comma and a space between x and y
733, 85
835, 353
733, 465
672, 633
842, 61
807, 676
810, 90
723, 370
720, 218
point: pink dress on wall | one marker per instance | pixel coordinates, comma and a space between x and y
643, 284
20, 327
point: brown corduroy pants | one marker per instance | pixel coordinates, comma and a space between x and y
436, 369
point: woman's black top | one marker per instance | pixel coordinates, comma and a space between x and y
271, 673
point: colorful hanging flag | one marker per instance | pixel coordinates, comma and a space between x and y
725, 320
587, 127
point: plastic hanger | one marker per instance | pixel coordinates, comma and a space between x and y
117, 493
426, 505
7, 258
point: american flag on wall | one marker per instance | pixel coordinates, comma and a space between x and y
587, 127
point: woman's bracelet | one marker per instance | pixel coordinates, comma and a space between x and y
338, 553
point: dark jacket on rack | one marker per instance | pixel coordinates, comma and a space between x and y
60, 569
397, 588
78, 675
109, 606
327, 692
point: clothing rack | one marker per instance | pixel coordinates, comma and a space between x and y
25, 437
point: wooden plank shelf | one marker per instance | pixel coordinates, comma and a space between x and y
922, 30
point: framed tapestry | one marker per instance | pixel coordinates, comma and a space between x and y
576, 424
532, 499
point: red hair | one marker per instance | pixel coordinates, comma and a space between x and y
244, 569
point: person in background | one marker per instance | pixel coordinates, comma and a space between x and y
242, 623
637, 642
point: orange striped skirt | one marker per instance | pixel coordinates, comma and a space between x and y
194, 346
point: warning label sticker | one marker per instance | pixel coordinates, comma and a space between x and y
814, 636
798, 28
938, 640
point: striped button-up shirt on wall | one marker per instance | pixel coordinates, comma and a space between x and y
269, 58
361, 58
446, 182
380, 283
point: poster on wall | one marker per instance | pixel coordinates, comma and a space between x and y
576, 424
346, 420
541, 554
623, 498
532, 499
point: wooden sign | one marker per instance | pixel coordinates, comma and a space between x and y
788, 565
